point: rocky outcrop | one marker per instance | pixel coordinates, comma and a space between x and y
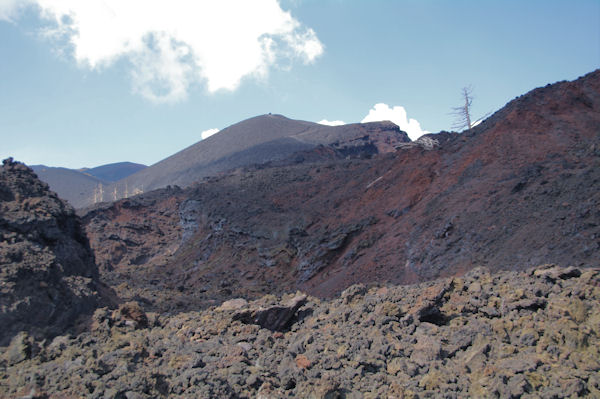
48, 278
512, 334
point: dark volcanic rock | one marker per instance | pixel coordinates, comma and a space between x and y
274, 318
357, 345
48, 278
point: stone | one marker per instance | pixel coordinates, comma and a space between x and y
132, 311
432, 381
389, 309
233, 304
528, 337
553, 272
475, 358
302, 362
426, 350
274, 318
352, 292
267, 391
19, 350
333, 351
519, 363
246, 346
532, 304
518, 385
395, 365
325, 389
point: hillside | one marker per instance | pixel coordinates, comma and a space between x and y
257, 140
72, 185
114, 171
88, 185
519, 190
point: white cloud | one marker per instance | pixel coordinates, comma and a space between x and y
174, 44
9, 9
397, 114
207, 133
331, 123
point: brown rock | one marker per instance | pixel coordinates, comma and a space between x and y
233, 304
302, 362
426, 350
132, 311
325, 389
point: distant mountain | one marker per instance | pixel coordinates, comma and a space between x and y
114, 171
85, 186
70, 184
257, 140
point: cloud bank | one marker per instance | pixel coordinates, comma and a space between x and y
207, 133
397, 114
331, 123
174, 44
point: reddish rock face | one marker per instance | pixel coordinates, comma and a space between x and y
519, 190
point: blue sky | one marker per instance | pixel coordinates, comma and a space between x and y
85, 83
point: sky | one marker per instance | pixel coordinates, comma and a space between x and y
91, 82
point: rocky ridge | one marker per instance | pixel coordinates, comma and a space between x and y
529, 334
48, 278
259, 140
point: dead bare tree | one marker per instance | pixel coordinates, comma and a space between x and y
463, 113
464, 118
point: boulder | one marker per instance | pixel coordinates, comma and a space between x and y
274, 318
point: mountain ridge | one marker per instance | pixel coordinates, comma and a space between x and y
260, 139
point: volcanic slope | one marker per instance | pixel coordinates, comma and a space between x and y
258, 140
521, 189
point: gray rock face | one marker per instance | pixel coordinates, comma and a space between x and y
47, 273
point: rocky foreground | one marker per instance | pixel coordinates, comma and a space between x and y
511, 334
